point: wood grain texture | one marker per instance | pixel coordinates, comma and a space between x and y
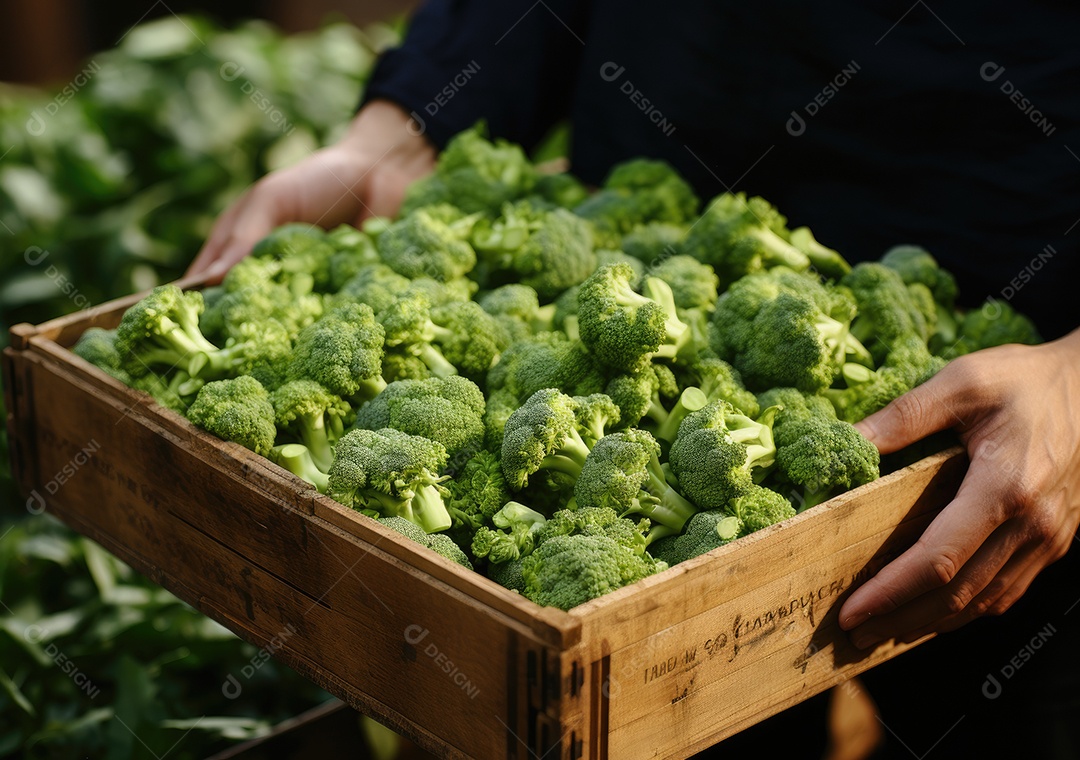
663, 668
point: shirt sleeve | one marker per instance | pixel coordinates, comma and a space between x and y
513, 63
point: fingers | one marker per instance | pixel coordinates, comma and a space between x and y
944, 401
937, 557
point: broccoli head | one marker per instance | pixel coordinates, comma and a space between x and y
543, 434
312, 413
343, 352
438, 543
692, 283
704, 532
98, 347
237, 410
161, 330
424, 244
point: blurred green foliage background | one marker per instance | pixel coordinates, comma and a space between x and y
108, 185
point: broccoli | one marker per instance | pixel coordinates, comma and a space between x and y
175, 393
887, 311
508, 575
825, 260
566, 571
605, 521
777, 335
161, 330
518, 309
640, 394
547, 360
693, 284
908, 363
314, 414
654, 242
424, 244
758, 508
354, 250
737, 236
398, 366
302, 249
717, 451
666, 196
376, 285
513, 537
622, 328
255, 291
475, 174
596, 413
237, 410
449, 411
250, 347
995, 324
438, 543
98, 347
548, 250
719, 381
499, 406
392, 473
441, 293
543, 434
561, 189
297, 459
623, 472
916, 265
478, 491
342, 351
704, 532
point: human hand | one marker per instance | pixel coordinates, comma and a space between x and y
363, 175
1017, 510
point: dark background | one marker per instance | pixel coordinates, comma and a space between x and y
44, 41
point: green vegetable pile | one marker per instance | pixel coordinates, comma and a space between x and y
568, 391
108, 185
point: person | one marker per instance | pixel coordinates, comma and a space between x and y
876, 125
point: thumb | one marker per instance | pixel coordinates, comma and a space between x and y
936, 405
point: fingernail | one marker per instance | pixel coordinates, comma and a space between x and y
852, 621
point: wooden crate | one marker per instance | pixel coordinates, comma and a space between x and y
663, 668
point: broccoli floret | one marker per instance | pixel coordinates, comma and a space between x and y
256, 291
302, 249
570, 570
468, 337
693, 284
500, 405
737, 236
887, 311
915, 264
717, 451
561, 189
438, 543
824, 260
376, 285
513, 537
312, 413
424, 245
519, 311
442, 293
654, 242
908, 363
448, 410
237, 410
175, 393
777, 335
543, 434
354, 250
596, 414
547, 360
548, 250
98, 347
475, 174
759, 508
398, 366
478, 491
250, 347
342, 351
623, 472
719, 381
392, 473
161, 330
995, 324
596, 521
622, 328
508, 575
296, 458
704, 532
823, 456
669, 197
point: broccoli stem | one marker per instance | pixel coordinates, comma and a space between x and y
313, 434
370, 388
429, 510
296, 458
678, 332
837, 338
778, 250
544, 319
436, 362
691, 400
670, 509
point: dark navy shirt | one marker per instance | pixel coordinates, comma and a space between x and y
956, 127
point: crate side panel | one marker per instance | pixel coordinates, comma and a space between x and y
372, 621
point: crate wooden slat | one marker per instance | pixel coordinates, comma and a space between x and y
663, 668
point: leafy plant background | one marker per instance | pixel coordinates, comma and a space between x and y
113, 193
